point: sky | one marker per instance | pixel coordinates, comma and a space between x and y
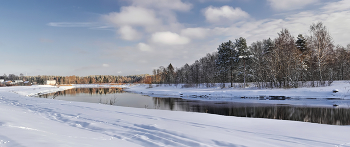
129, 37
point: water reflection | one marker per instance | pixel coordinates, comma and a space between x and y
91, 91
116, 96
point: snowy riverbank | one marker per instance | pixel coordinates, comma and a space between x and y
311, 96
305, 92
308, 96
30, 121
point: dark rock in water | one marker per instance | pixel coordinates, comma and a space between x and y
277, 97
262, 97
335, 105
221, 103
333, 98
335, 90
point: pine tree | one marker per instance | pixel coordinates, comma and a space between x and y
304, 53
227, 59
268, 46
243, 56
170, 74
301, 43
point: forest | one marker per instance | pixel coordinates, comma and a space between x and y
93, 79
283, 62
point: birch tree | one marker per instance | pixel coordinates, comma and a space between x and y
322, 44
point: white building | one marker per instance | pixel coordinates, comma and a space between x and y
18, 81
10, 82
2, 80
50, 82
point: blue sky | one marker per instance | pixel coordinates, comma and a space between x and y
127, 37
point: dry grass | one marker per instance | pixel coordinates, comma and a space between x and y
116, 83
65, 85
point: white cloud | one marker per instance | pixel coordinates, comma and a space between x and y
195, 32
76, 24
224, 13
70, 24
144, 47
145, 17
169, 38
134, 16
203, 1
164, 42
283, 5
105, 65
337, 6
163, 4
298, 23
128, 33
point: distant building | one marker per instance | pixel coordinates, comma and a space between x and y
9, 82
27, 83
50, 82
18, 81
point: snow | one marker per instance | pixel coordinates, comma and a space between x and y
31, 121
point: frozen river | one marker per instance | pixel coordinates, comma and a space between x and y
116, 96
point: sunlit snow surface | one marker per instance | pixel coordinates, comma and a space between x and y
30, 121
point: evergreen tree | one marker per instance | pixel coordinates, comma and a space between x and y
244, 56
304, 55
228, 56
301, 43
268, 46
170, 74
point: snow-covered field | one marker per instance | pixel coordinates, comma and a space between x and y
30, 121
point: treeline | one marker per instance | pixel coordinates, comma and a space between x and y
95, 79
281, 62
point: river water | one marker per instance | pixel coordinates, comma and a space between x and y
118, 97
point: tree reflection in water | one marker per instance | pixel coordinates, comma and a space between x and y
91, 91
323, 115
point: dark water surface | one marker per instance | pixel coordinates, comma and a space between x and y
118, 97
